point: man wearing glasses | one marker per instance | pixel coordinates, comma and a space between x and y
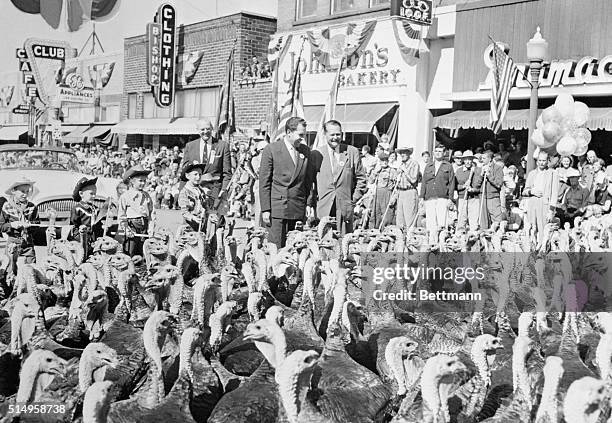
217, 173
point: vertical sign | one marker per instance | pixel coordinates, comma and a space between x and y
153, 53
162, 34
419, 12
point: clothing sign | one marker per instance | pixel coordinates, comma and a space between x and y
416, 11
153, 53
166, 23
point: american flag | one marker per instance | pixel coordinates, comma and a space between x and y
294, 105
504, 76
226, 121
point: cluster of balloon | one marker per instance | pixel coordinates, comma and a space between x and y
561, 128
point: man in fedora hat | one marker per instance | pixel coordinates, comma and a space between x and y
467, 180
341, 179
407, 195
84, 215
15, 219
135, 210
216, 157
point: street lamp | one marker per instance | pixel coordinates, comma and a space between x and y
537, 52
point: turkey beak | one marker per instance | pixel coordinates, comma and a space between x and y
251, 334
58, 367
111, 360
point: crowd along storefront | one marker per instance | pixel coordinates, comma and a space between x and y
579, 63
390, 84
201, 67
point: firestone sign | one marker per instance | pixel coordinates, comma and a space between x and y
161, 57
588, 70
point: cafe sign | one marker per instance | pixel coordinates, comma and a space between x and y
419, 12
587, 70
161, 55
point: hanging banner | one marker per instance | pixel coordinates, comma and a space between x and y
419, 12
162, 33
328, 49
188, 66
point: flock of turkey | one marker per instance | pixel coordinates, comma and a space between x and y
207, 330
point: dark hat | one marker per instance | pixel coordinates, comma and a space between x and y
404, 150
189, 166
383, 155
80, 186
135, 171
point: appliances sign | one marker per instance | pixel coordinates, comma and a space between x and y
161, 55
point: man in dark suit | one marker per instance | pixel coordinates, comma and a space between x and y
215, 154
492, 181
341, 180
285, 181
437, 190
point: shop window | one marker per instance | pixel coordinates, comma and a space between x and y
132, 106
306, 8
342, 5
378, 2
110, 114
196, 103
152, 111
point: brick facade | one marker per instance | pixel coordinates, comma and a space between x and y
215, 37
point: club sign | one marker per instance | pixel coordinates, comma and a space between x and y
419, 12
161, 55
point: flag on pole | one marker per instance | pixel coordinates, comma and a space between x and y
330, 107
226, 120
294, 105
504, 76
277, 50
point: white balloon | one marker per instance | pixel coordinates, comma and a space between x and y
565, 104
583, 133
581, 113
551, 132
540, 122
581, 150
566, 146
551, 114
540, 140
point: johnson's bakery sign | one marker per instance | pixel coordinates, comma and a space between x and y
587, 70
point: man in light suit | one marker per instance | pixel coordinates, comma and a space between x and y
341, 179
286, 179
541, 190
215, 154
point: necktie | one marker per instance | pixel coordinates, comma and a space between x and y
292, 154
334, 161
204, 154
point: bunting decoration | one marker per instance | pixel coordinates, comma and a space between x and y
294, 105
188, 66
69, 15
357, 38
330, 108
100, 74
6, 95
408, 38
277, 49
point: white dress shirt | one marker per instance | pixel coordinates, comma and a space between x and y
292, 151
203, 146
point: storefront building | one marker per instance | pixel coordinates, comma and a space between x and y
393, 80
579, 63
89, 98
203, 50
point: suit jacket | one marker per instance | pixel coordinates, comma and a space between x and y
494, 182
220, 165
345, 186
284, 188
550, 194
438, 185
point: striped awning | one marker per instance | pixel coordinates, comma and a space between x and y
601, 118
12, 133
359, 118
97, 131
76, 136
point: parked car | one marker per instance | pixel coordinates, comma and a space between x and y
55, 172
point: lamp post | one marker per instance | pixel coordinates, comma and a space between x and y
537, 52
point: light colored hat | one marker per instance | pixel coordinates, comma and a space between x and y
467, 154
19, 182
457, 153
572, 173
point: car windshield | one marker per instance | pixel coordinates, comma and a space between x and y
37, 159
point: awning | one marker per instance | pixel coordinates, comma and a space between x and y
177, 126
12, 133
97, 131
76, 136
601, 118
353, 117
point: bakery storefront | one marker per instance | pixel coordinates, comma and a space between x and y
580, 63
394, 69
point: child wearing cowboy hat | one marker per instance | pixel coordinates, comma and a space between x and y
16, 217
84, 216
135, 210
192, 199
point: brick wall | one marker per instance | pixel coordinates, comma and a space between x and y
216, 38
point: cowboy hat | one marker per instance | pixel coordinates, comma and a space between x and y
19, 182
467, 154
383, 155
135, 171
458, 154
189, 166
572, 173
404, 150
80, 185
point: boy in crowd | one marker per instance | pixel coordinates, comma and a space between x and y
16, 217
135, 210
84, 215
192, 199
